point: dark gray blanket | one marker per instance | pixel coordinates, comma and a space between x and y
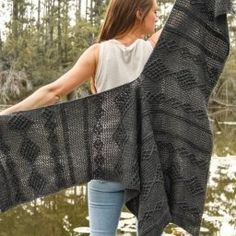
152, 134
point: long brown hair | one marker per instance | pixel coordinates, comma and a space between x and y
121, 17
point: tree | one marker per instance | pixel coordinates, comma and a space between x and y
1, 43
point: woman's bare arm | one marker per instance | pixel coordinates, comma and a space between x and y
49, 94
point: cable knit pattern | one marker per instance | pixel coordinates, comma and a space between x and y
152, 135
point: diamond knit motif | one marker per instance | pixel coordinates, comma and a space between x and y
3, 147
99, 159
186, 79
29, 150
98, 144
37, 182
19, 122
120, 136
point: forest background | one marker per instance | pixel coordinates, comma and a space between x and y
41, 39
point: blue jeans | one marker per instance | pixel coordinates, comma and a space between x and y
105, 202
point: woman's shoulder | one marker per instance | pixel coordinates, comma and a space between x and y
155, 37
93, 51
94, 47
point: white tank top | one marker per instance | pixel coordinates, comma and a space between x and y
119, 64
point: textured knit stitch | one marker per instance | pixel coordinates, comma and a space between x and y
152, 134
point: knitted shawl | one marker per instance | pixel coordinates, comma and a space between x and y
152, 135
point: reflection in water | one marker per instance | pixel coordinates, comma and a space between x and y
59, 214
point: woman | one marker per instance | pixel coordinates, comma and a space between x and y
120, 54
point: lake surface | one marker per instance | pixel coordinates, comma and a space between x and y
65, 213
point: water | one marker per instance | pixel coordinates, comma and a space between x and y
63, 213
